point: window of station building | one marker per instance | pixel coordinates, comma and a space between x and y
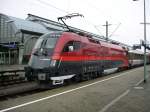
72, 46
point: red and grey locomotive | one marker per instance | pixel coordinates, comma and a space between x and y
66, 55
60, 56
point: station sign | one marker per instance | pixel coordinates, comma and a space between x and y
136, 46
9, 45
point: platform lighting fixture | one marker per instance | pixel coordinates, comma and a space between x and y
145, 74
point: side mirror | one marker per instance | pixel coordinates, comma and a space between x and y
70, 48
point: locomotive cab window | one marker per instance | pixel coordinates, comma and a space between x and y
71, 46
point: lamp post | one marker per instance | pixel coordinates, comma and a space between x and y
145, 74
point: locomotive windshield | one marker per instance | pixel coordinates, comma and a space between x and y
43, 50
50, 43
38, 43
47, 41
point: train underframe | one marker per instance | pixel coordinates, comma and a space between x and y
70, 71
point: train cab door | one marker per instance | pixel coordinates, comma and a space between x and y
100, 61
72, 57
86, 63
84, 58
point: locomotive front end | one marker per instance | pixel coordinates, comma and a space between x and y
41, 63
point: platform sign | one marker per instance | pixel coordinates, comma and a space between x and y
10, 45
144, 43
136, 46
148, 47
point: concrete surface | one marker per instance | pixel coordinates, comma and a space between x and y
11, 67
120, 92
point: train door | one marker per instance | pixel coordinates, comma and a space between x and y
91, 64
84, 62
101, 62
71, 57
84, 57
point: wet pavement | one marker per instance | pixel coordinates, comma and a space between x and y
120, 92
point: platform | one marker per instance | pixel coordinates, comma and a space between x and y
11, 67
119, 92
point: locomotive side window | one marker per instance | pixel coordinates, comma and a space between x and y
50, 42
38, 43
71, 46
68, 46
76, 45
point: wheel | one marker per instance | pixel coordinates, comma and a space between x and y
77, 78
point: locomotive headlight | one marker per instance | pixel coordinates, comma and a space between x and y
53, 63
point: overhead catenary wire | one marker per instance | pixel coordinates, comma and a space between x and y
97, 29
64, 11
50, 5
96, 9
115, 29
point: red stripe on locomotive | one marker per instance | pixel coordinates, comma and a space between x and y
91, 51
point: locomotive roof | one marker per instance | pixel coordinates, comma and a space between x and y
136, 52
112, 46
52, 33
99, 41
61, 27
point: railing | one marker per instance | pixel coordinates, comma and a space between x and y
8, 57
11, 77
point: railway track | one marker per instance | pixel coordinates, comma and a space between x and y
18, 88
14, 82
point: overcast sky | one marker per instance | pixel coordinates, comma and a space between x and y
124, 16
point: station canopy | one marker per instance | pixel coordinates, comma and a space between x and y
27, 26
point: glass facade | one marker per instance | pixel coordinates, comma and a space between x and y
10, 35
6, 30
